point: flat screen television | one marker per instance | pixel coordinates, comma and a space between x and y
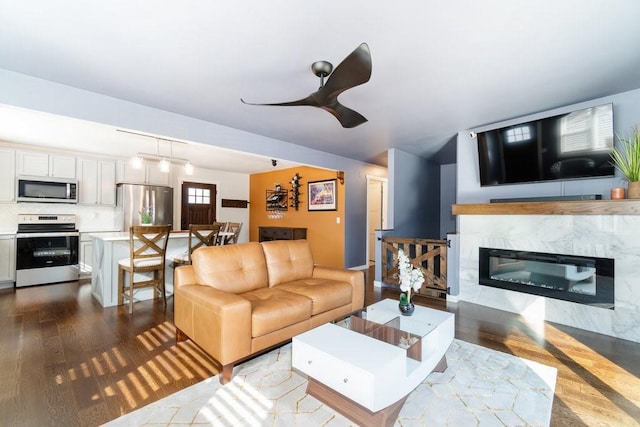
575, 145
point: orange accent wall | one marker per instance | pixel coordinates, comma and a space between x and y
324, 234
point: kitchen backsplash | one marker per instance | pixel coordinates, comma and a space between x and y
88, 218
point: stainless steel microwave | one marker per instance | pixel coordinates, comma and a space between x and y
46, 190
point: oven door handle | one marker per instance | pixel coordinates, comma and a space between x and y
48, 234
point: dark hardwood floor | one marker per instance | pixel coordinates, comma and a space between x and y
66, 361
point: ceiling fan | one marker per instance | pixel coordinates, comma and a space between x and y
353, 71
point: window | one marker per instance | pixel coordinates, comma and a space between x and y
587, 130
522, 133
198, 196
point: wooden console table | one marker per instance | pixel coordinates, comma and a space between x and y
281, 233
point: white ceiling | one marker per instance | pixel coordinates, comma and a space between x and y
438, 67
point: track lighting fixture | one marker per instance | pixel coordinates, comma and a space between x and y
164, 162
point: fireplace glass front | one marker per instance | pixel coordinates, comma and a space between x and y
584, 280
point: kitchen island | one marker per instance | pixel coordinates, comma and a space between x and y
109, 248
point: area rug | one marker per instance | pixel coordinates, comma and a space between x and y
480, 387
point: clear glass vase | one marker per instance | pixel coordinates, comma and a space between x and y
406, 306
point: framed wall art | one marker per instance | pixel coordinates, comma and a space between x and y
322, 195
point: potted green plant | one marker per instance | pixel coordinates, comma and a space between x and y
626, 158
146, 217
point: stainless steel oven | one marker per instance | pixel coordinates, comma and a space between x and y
46, 249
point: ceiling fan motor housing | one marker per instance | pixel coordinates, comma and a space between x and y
322, 68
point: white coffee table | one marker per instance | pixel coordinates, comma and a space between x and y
359, 366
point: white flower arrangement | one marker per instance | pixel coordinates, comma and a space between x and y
411, 278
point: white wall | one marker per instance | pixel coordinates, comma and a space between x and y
229, 185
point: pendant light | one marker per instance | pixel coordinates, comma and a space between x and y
136, 162
164, 164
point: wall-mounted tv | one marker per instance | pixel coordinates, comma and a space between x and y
575, 145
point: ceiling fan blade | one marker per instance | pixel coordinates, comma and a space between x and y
347, 117
353, 71
308, 101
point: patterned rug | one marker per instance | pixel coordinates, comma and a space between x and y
480, 387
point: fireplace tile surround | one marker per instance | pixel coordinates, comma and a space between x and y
608, 236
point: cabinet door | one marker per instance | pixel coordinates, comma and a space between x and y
149, 174
37, 163
97, 181
7, 175
107, 183
62, 166
86, 256
155, 176
126, 173
88, 181
33, 163
7, 258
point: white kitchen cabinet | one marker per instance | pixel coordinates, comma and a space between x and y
127, 173
7, 258
86, 254
149, 174
155, 176
7, 175
107, 182
38, 163
97, 182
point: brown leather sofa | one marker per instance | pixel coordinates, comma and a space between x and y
239, 300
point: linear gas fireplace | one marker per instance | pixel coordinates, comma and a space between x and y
584, 280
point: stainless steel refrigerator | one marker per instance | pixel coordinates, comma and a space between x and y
135, 199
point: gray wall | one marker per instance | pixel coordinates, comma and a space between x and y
626, 114
447, 198
414, 196
41, 95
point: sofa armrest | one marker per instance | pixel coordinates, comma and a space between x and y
218, 321
354, 277
183, 275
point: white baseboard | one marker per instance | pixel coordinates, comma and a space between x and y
7, 285
453, 298
377, 283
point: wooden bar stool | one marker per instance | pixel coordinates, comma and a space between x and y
199, 235
147, 249
223, 227
233, 227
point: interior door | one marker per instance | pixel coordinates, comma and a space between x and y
198, 204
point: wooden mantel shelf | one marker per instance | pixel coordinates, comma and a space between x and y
581, 207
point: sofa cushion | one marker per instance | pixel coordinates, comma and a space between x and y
273, 309
287, 260
231, 268
325, 294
